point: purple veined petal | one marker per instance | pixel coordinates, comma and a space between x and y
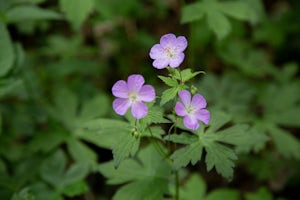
203, 115
120, 89
168, 40
190, 122
181, 43
157, 51
160, 63
135, 82
185, 97
176, 60
180, 109
139, 110
198, 101
147, 93
121, 105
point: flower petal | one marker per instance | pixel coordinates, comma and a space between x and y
180, 109
139, 110
157, 51
190, 122
198, 101
168, 40
185, 97
121, 105
135, 82
147, 93
120, 89
160, 63
176, 60
181, 43
203, 115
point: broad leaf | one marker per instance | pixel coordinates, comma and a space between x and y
169, 94
126, 146
103, 132
191, 153
220, 157
22, 13
7, 55
221, 194
77, 11
285, 142
168, 81
148, 175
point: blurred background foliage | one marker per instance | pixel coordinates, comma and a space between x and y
59, 59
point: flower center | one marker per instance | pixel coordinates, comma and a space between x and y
132, 96
170, 52
190, 109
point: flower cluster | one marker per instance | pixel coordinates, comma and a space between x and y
133, 93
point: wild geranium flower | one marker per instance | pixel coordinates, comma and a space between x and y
169, 52
132, 94
192, 109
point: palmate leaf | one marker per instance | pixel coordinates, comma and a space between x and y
169, 81
220, 157
214, 140
217, 12
77, 11
103, 132
287, 144
126, 146
195, 188
169, 94
147, 175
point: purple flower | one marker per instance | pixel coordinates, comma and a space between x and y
192, 109
132, 94
169, 51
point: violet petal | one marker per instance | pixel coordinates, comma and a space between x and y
139, 109
185, 97
203, 115
120, 89
135, 82
121, 105
180, 109
147, 93
198, 101
190, 122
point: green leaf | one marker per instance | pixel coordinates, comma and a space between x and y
77, 11
75, 173
169, 81
236, 9
7, 55
155, 115
65, 107
148, 174
261, 193
169, 94
24, 194
126, 146
192, 12
103, 132
220, 157
142, 189
219, 24
191, 153
186, 75
182, 138
221, 194
287, 144
194, 188
52, 169
243, 138
75, 189
22, 13
81, 153
98, 106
